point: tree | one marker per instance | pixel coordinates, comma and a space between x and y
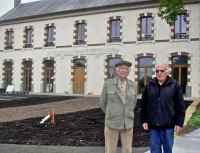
169, 9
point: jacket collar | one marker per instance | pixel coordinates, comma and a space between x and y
123, 99
115, 80
168, 81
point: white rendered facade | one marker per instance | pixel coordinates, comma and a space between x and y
96, 49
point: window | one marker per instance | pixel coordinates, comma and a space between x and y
9, 39
111, 61
180, 70
146, 23
50, 35
48, 76
115, 30
28, 38
7, 75
145, 72
27, 76
80, 33
180, 27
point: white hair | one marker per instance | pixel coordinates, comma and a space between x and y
166, 66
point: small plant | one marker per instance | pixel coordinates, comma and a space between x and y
194, 122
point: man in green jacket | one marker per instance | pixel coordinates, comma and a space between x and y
118, 100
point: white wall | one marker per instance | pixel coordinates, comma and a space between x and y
95, 55
2, 38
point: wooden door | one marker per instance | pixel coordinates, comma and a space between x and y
79, 80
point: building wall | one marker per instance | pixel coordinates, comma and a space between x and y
97, 48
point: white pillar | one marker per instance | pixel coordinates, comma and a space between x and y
17, 74
95, 74
62, 74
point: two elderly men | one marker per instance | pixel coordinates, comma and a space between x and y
162, 109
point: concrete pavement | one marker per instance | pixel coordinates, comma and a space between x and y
189, 143
12, 148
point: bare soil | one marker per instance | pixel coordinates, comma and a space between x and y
79, 122
83, 128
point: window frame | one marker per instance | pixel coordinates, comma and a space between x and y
182, 25
9, 39
115, 30
49, 41
28, 38
48, 75
7, 75
80, 33
148, 22
180, 68
146, 69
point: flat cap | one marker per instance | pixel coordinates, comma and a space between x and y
123, 62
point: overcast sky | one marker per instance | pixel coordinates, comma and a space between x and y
6, 5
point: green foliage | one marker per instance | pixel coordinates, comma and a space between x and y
195, 120
169, 9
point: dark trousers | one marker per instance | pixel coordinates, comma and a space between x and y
161, 139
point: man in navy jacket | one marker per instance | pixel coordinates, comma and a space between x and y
162, 110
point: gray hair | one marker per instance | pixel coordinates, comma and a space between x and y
166, 66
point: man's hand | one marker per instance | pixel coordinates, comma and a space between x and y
178, 130
145, 126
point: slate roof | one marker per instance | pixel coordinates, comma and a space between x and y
45, 7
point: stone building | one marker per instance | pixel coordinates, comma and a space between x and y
70, 46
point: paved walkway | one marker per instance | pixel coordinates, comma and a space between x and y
11, 148
189, 143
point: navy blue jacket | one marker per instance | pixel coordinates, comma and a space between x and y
162, 106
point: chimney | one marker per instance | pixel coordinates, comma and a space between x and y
17, 2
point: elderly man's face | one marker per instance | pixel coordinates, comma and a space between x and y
122, 71
161, 72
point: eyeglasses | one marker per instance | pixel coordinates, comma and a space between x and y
161, 71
